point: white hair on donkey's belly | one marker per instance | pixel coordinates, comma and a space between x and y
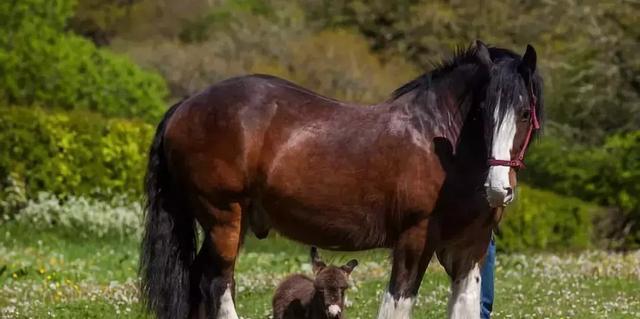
227, 309
464, 302
392, 309
334, 310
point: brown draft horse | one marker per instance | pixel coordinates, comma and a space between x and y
427, 171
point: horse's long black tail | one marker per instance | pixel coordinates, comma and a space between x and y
169, 242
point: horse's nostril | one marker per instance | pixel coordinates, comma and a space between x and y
509, 191
509, 196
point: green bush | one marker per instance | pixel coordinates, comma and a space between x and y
42, 64
35, 15
544, 220
608, 175
249, 39
72, 153
85, 217
590, 86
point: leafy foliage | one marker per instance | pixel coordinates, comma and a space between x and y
42, 64
588, 49
83, 216
199, 30
33, 15
544, 220
72, 153
98, 20
255, 39
608, 175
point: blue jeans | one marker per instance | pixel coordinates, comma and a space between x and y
487, 275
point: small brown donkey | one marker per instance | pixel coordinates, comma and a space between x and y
300, 297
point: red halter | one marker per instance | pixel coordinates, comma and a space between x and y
535, 125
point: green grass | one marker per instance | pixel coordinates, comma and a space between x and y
54, 273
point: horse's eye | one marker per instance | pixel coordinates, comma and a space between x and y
526, 115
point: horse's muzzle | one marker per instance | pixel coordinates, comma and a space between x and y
499, 196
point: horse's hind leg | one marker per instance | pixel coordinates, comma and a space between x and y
411, 256
214, 265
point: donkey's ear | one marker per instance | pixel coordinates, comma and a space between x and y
316, 264
528, 64
482, 52
348, 267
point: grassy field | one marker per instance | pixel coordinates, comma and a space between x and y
61, 275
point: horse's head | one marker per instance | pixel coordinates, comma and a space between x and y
330, 283
511, 107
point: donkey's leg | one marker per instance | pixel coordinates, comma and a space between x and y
216, 261
411, 257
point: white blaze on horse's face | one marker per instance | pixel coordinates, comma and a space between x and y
498, 186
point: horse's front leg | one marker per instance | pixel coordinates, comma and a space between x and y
411, 256
464, 302
464, 271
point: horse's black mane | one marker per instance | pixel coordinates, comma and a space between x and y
468, 55
460, 57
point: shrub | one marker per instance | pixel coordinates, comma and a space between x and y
42, 64
85, 217
544, 220
608, 175
13, 197
589, 85
34, 14
337, 63
72, 153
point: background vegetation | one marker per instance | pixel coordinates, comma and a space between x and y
43, 64
60, 55
83, 82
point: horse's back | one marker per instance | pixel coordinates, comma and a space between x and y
237, 127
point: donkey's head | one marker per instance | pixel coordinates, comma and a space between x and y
511, 108
330, 283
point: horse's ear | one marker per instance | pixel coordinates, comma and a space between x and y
348, 267
529, 58
482, 52
316, 264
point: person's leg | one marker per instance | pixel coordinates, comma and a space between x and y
486, 289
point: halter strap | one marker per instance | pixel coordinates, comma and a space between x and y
518, 162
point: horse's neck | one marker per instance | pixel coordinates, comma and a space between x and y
444, 110
436, 111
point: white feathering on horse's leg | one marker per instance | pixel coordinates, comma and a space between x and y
464, 302
227, 309
395, 309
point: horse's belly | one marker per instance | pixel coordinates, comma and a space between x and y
337, 228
